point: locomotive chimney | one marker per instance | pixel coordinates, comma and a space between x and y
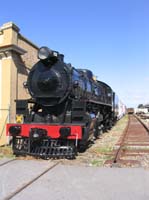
61, 57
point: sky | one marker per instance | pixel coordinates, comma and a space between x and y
109, 37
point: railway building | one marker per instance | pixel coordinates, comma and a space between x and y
17, 55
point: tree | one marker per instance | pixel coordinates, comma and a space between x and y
140, 106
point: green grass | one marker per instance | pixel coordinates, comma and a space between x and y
104, 149
97, 163
100, 162
6, 152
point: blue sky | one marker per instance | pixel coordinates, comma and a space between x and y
110, 37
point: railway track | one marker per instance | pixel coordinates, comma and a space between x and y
21, 174
7, 161
133, 144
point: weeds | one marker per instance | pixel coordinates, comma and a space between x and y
6, 151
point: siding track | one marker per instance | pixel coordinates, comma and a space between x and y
132, 145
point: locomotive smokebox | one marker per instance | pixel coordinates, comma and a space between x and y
48, 81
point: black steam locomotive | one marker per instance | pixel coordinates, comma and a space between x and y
67, 108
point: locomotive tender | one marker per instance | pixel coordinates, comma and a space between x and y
67, 108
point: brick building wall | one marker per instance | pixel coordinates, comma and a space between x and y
17, 54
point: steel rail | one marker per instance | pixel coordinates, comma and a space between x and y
144, 125
118, 152
7, 162
30, 182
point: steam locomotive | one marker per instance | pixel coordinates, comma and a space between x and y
67, 108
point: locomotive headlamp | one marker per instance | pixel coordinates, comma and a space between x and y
15, 130
47, 56
44, 53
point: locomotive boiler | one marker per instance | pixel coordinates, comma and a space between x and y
67, 109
